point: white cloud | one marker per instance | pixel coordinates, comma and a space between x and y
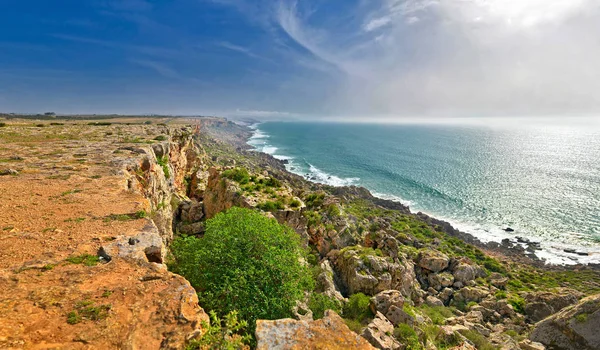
377, 23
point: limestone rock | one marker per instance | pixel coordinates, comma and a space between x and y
574, 328
465, 272
433, 301
433, 260
529, 345
438, 281
145, 246
370, 274
468, 294
328, 333
326, 282
543, 304
384, 300
379, 333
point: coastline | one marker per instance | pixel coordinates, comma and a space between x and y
523, 248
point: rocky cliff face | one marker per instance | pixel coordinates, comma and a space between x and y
82, 266
574, 328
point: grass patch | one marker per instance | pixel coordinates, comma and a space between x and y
126, 217
85, 259
408, 336
86, 310
437, 314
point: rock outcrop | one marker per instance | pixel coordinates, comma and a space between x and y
574, 328
364, 272
328, 333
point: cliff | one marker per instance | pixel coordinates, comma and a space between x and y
88, 212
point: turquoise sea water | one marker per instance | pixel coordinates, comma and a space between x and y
544, 182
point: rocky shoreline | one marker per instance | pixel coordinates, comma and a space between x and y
518, 248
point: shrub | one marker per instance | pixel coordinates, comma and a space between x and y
271, 206
407, 335
239, 175
437, 314
295, 203
357, 308
517, 303
318, 303
315, 200
161, 138
3, 125
271, 182
222, 334
244, 262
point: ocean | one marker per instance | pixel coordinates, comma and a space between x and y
543, 182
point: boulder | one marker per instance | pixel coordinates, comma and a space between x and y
361, 272
433, 260
379, 333
441, 280
530, 345
464, 272
8, 172
328, 333
468, 294
433, 301
574, 328
543, 304
384, 300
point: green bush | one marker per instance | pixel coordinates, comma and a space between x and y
2, 125
517, 303
318, 303
357, 308
271, 206
315, 200
294, 203
222, 334
245, 262
239, 175
407, 336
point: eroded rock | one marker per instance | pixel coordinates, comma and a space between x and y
330, 332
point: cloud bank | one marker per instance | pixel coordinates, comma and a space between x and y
456, 57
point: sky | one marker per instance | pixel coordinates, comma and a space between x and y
310, 58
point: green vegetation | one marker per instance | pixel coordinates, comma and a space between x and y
71, 192
314, 200
85, 259
407, 336
244, 262
581, 318
3, 125
480, 342
357, 308
517, 303
126, 217
161, 138
239, 175
86, 310
164, 163
107, 293
294, 203
48, 267
313, 218
271, 206
437, 314
222, 334
319, 303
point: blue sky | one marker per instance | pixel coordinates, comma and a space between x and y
287, 58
